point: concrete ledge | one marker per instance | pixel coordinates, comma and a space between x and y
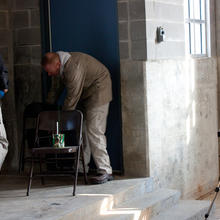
57, 202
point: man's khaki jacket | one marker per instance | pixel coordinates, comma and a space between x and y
87, 80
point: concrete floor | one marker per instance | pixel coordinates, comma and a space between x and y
53, 197
42, 201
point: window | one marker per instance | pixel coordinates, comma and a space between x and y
196, 27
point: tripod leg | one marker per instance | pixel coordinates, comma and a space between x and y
213, 201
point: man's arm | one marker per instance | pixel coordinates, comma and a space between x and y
3, 76
74, 83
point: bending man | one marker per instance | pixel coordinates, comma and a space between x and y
87, 82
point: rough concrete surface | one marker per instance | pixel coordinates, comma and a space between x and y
182, 124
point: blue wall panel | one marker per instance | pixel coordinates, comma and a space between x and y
90, 26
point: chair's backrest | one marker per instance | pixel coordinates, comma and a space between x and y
32, 110
30, 116
69, 121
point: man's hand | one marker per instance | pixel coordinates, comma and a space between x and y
5, 90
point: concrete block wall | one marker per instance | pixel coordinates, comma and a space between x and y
4, 31
132, 29
134, 118
27, 54
133, 54
138, 22
27, 51
20, 45
169, 15
154, 88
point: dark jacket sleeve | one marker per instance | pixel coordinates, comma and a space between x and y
3, 75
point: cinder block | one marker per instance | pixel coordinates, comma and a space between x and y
36, 54
124, 50
4, 37
22, 55
122, 11
26, 4
138, 30
164, 11
139, 50
36, 70
137, 9
35, 18
4, 54
4, 4
123, 31
28, 36
28, 83
176, 2
3, 20
20, 19
166, 50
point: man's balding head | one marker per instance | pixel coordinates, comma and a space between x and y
51, 63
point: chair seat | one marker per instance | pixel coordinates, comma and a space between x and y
52, 150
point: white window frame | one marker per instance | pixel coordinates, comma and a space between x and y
205, 22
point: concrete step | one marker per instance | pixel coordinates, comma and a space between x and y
132, 199
186, 210
153, 202
149, 204
109, 195
118, 216
53, 203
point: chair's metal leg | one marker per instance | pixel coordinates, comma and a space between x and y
31, 176
22, 156
21, 159
76, 171
56, 161
84, 166
42, 178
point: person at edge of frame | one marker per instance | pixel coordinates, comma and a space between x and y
3, 90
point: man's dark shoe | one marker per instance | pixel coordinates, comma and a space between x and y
101, 178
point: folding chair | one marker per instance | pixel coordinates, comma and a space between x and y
70, 122
31, 113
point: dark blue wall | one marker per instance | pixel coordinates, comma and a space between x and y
90, 26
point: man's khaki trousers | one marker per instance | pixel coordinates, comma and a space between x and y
3, 140
94, 138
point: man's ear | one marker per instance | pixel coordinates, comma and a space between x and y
58, 64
